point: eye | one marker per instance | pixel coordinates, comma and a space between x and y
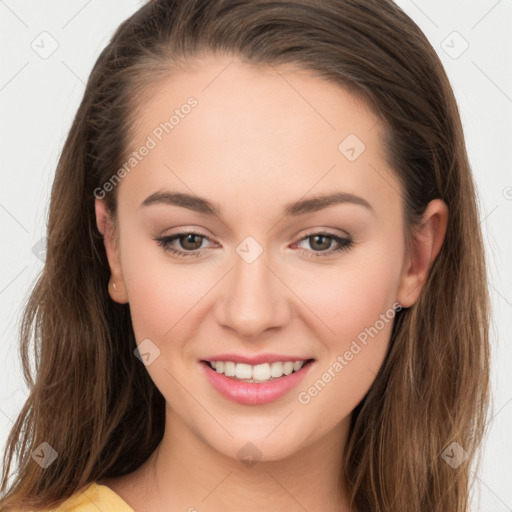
191, 242
322, 242
188, 240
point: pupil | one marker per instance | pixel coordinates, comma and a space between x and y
326, 244
190, 238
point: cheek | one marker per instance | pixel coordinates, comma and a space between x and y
160, 292
356, 302
350, 294
352, 358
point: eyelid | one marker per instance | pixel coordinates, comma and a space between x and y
327, 231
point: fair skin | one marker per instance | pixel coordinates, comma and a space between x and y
257, 141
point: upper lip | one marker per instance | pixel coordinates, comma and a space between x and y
254, 360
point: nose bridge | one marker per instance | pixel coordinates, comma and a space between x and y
253, 298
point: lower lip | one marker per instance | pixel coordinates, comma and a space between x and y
257, 393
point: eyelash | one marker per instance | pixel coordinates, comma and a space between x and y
165, 241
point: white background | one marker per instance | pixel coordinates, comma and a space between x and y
39, 97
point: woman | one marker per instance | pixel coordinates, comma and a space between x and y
265, 277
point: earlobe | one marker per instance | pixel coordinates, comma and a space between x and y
426, 242
104, 221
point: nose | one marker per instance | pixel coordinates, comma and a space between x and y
253, 298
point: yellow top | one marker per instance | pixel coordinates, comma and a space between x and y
93, 498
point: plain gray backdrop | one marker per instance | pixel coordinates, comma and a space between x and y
47, 52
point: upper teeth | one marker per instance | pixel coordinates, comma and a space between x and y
260, 372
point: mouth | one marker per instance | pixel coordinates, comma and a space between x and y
255, 384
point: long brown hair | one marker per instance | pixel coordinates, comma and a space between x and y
94, 403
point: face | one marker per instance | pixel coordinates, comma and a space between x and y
255, 277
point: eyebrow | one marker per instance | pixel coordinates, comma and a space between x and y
294, 209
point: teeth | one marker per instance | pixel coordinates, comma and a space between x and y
260, 372
229, 369
288, 367
243, 371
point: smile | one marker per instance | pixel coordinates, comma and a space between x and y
255, 384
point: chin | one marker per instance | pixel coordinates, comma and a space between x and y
259, 447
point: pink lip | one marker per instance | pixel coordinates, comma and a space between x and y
254, 393
254, 360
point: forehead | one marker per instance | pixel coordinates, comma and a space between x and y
238, 133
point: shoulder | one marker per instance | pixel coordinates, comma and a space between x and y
92, 498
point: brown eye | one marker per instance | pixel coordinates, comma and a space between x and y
191, 241
320, 242
185, 244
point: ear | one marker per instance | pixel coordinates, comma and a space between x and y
426, 242
106, 227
